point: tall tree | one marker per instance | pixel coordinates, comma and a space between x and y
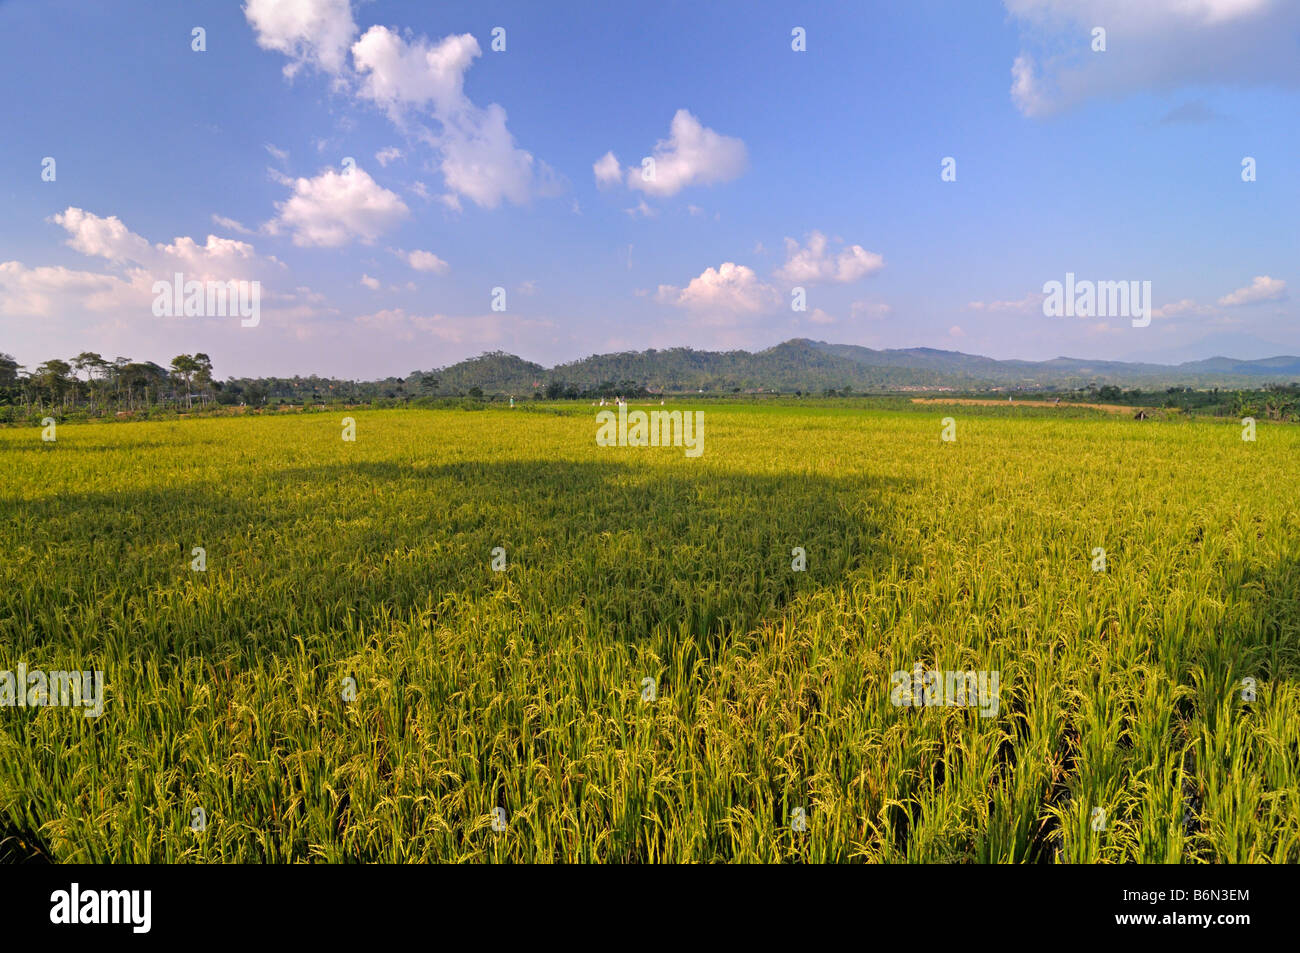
184, 368
203, 374
8, 371
54, 378
95, 368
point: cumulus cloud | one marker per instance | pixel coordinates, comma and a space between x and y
1156, 45
816, 263
335, 208
727, 290
400, 75
691, 155
385, 156
371, 283
411, 78
480, 161
607, 170
479, 158
309, 32
1262, 288
100, 237
134, 264
40, 292
110, 239
423, 261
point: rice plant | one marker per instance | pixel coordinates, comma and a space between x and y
482, 637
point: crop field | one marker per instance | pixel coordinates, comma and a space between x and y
479, 636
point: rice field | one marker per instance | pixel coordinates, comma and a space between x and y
477, 636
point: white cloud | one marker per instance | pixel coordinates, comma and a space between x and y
691, 155
101, 237
45, 291
607, 170
1030, 303
123, 295
309, 32
371, 283
1025, 91
110, 239
385, 156
1262, 288
1152, 45
231, 224
479, 159
335, 208
729, 289
1183, 306
818, 316
423, 261
870, 309
814, 263
410, 78
216, 257
398, 75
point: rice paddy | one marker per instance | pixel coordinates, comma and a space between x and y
481, 637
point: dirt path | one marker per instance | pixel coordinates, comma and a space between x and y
1109, 408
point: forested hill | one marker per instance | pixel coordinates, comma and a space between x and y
814, 366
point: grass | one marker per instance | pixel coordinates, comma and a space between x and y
522, 689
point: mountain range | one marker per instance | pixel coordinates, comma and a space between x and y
814, 366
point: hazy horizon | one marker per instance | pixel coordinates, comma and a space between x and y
163, 361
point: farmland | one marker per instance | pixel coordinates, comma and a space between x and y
638, 673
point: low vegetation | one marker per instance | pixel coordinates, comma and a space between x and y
644, 676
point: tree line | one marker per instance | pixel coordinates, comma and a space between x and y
91, 382
91, 385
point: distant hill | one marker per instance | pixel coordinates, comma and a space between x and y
495, 373
814, 366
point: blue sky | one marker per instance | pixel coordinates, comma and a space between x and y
475, 169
